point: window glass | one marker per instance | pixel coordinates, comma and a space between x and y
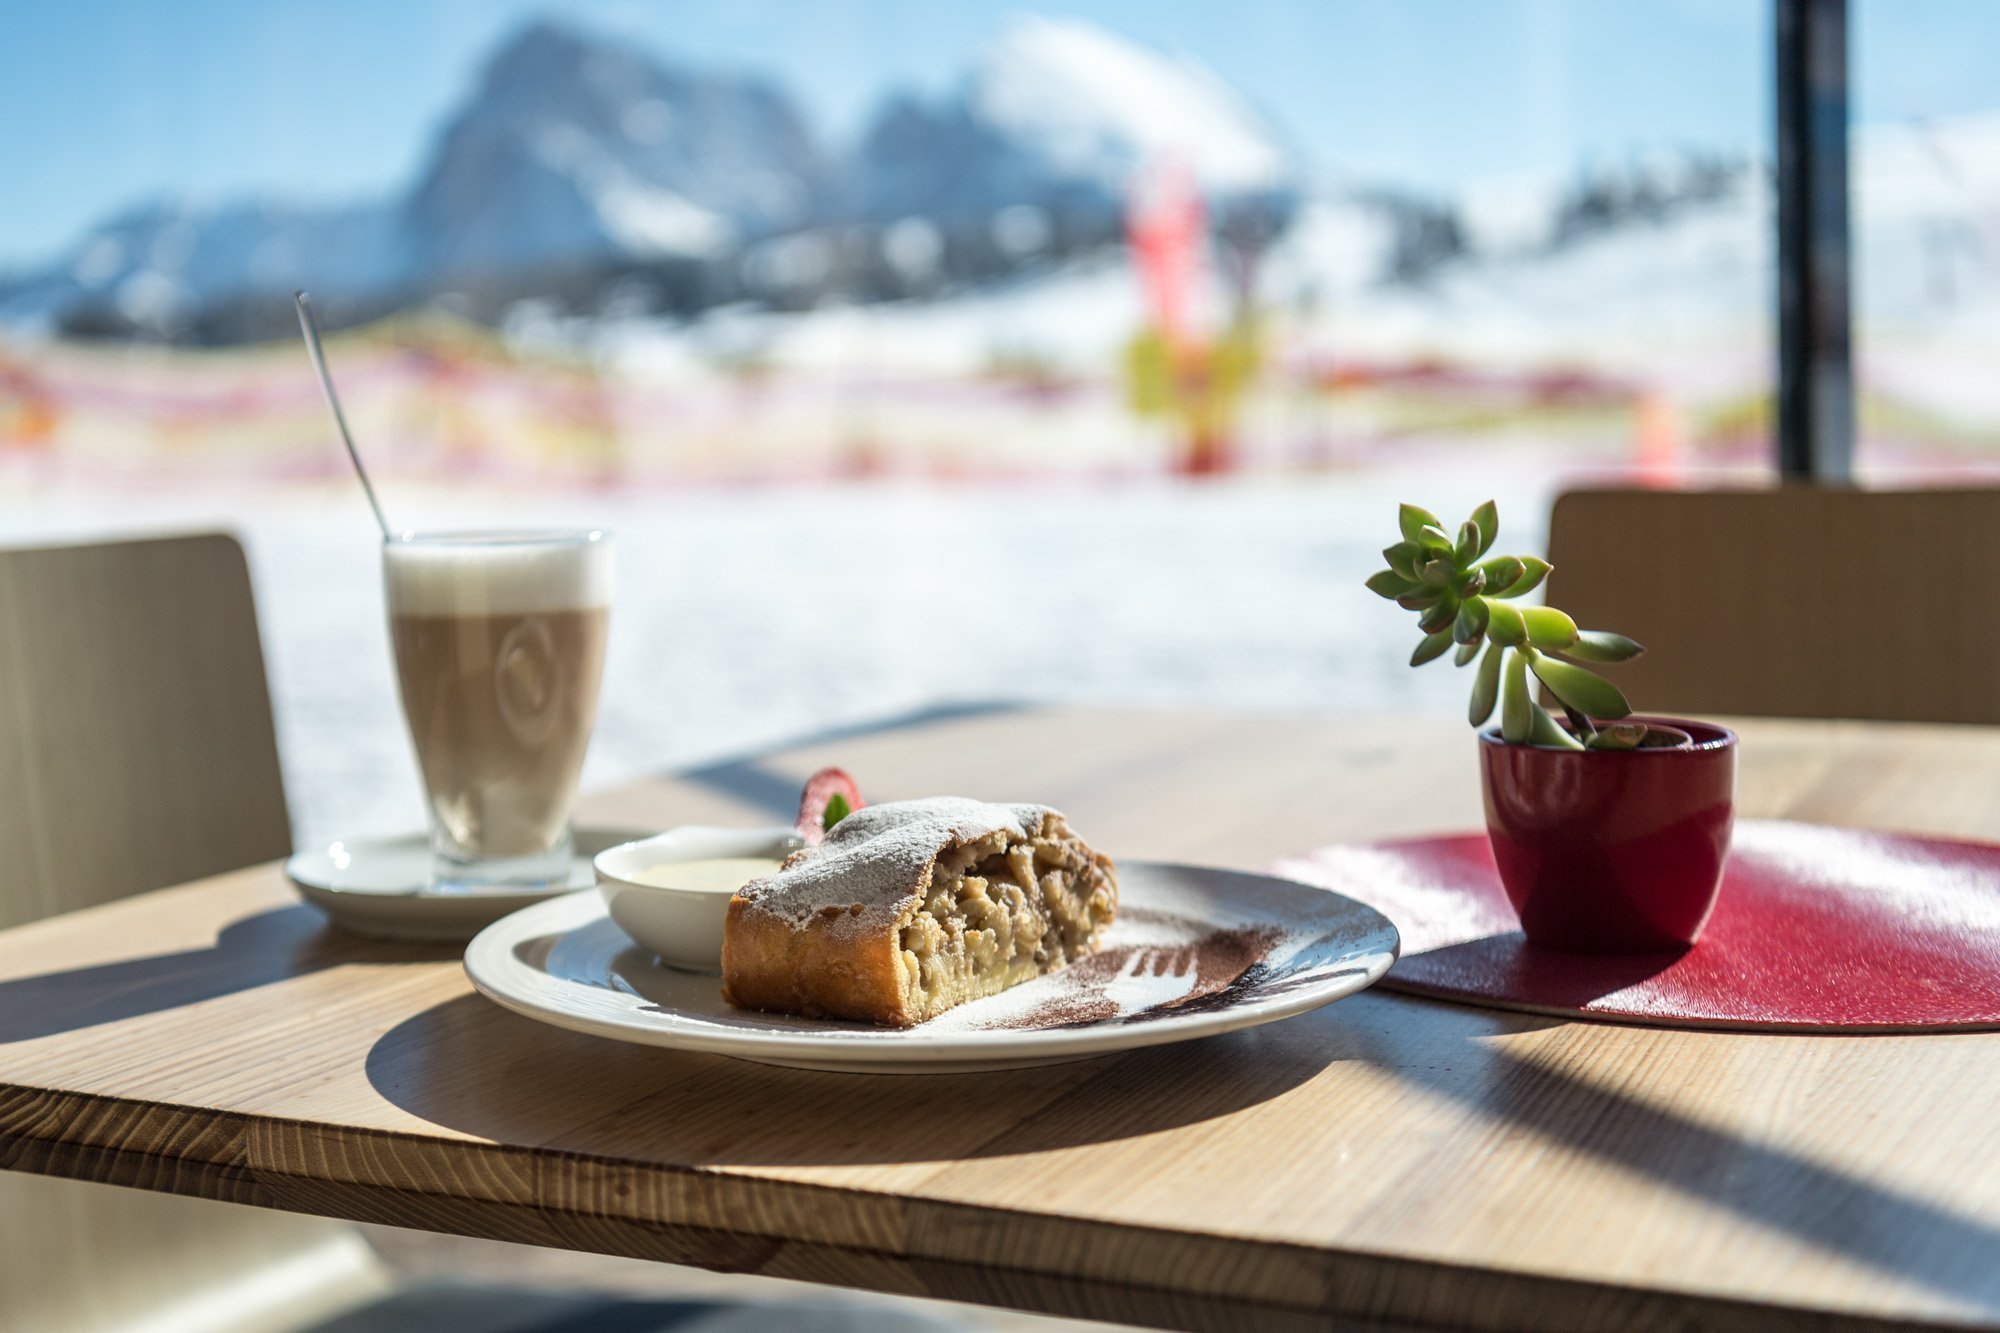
917, 352
1925, 192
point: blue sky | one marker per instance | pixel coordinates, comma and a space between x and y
108, 101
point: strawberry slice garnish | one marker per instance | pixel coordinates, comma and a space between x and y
830, 795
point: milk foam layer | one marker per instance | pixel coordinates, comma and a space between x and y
498, 574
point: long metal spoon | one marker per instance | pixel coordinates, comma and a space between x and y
310, 327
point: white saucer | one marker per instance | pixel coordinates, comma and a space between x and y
382, 886
1195, 951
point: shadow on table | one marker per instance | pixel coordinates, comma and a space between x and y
1884, 1229
1508, 964
470, 1066
253, 951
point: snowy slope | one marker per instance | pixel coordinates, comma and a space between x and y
157, 269
1093, 105
1061, 115
1676, 293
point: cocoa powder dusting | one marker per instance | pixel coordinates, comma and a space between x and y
1177, 965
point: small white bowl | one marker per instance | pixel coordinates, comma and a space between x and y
682, 926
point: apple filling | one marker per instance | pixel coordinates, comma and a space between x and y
1000, 911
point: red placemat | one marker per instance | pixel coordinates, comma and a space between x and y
1817, 930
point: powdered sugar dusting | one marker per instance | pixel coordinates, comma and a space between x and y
879, 858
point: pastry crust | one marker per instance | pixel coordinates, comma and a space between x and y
909, 908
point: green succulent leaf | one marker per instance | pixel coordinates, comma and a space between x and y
1601, 645
1468, 546
1440, 616
1458, 600
1502, 571
1504, 624
1545, 730
1548, 627
1413, 520
1515, 702
1585, 691
1618, 736
1487, 516
1388, 583
1402, 558
1471, 621
837, 809
1432, 646
1486, 686
1534, 570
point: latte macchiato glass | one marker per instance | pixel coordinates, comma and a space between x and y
499, 640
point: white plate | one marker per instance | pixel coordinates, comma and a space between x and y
382, 887
1194, 952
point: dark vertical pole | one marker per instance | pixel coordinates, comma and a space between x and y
1815, 361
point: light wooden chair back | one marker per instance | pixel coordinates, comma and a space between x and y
136, 744
137, 751
1793, 602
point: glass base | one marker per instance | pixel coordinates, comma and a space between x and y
545, 870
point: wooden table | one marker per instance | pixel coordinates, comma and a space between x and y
1385, 1159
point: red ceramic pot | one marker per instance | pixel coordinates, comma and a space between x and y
1612, 851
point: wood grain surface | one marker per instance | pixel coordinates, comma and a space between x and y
1383, 1161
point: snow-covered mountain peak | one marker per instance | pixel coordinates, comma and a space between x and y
576, 149
1099, 106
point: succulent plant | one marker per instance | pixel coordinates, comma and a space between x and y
1465, 598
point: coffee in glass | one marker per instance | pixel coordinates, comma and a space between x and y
499, 641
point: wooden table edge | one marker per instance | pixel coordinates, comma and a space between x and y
939, 1250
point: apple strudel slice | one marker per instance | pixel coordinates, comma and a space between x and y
910, 908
